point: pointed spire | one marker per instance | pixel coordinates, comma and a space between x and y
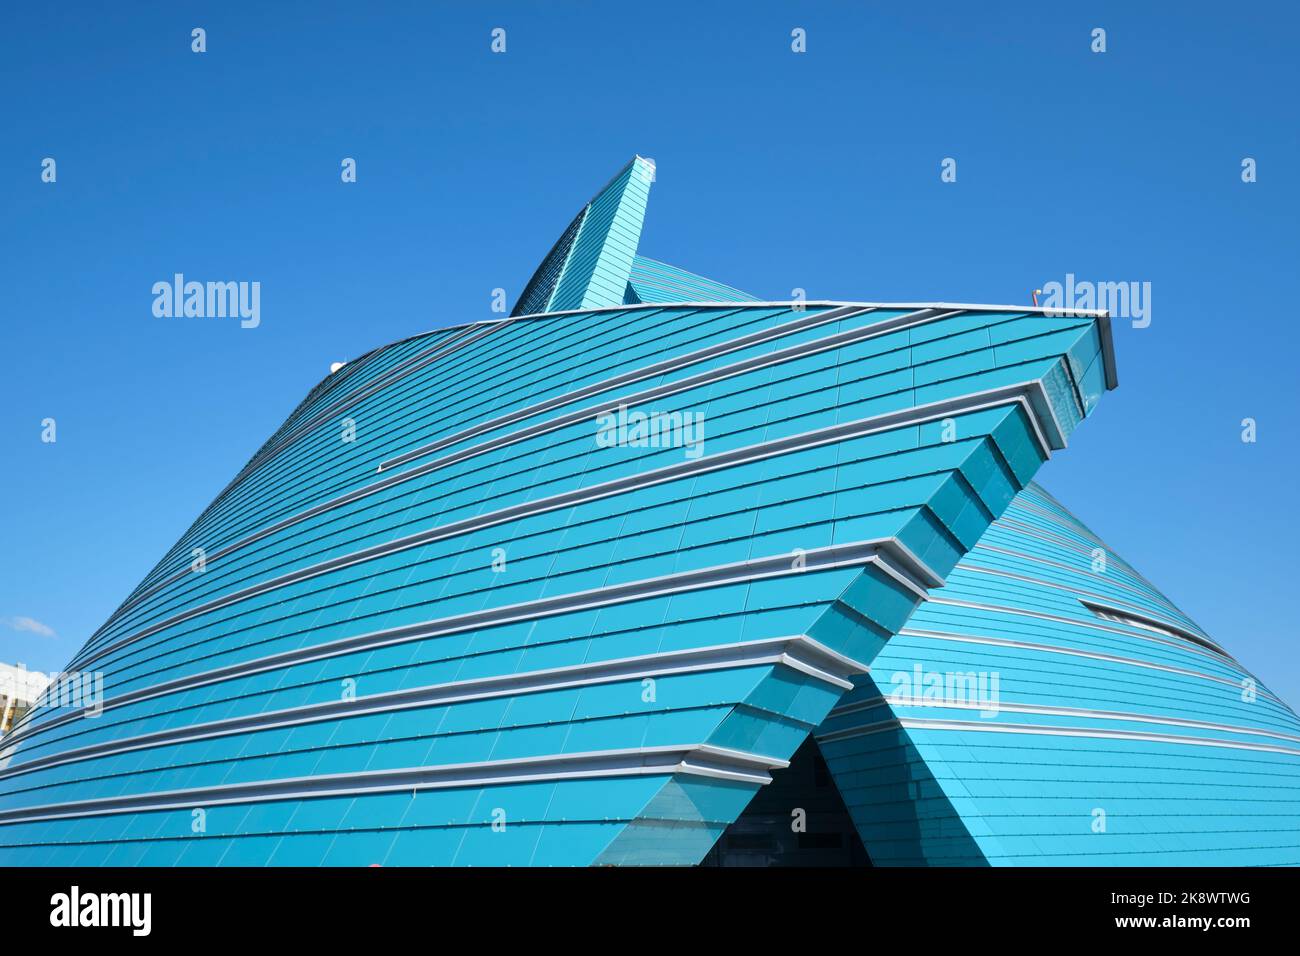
589, 267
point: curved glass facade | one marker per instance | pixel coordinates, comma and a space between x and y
569, 588
1092, 723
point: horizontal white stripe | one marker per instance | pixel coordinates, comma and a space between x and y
1096, 732
1044, 417
1071, 652
800, 304
697, 759
1023, 393
347, 401
1045, 730
799, 652
521, 435
805, 321
1119, 604
1093, 624
1082, 712
1101, 315
780, 565
983, 548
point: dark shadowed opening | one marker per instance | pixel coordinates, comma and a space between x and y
766, 835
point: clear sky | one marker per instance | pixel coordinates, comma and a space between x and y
776, 170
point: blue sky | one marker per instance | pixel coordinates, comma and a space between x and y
776, 170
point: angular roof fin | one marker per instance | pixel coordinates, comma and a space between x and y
589, 267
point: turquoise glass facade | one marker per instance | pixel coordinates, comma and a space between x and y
570, 587
1129, 739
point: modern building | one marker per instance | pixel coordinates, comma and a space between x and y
653, 572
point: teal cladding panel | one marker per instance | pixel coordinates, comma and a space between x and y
652, 281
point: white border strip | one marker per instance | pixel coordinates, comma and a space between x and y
1071, 652
698, 759
1022, 393
798, 652
1096, 623
873, 551
1058, 711
809, 321
1046, 730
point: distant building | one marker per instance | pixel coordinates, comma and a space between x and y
19, 689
